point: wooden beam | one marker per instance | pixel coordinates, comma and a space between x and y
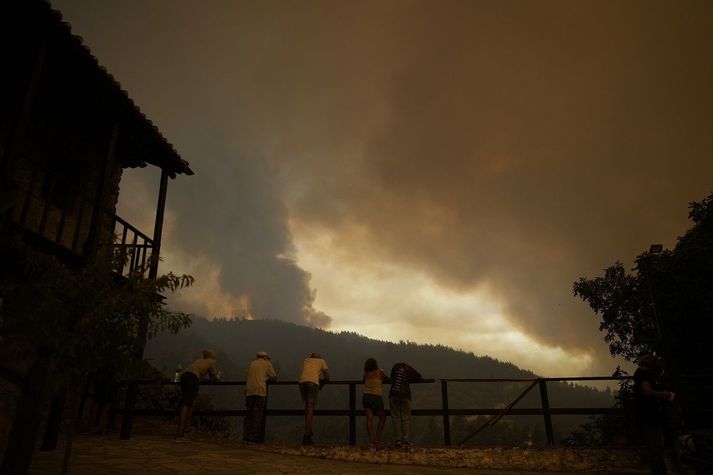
100, 197
158, 226
133, 387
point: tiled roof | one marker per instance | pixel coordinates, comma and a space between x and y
170, 159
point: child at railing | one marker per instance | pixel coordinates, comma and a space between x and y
373, 401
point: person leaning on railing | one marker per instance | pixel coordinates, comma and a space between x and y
190, 380
313, 377
259, 372
649, 416
400, 401
373, 402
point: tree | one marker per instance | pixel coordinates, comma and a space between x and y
665, 304
61, 323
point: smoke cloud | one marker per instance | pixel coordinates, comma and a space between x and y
511, 147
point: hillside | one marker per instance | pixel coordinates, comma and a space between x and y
237, 341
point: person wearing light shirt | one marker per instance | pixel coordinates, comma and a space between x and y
259, 373
313, 376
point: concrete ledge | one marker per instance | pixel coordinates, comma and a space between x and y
568, 460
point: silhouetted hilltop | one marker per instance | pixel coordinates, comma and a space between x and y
237, 341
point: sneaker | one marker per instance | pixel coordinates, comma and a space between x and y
307, 440
398, 444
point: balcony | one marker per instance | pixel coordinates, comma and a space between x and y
51, 208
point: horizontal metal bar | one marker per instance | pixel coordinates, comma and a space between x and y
416, 412
271, 383
425, 381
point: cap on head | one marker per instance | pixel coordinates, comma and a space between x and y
208, 353
263, 354
315, 355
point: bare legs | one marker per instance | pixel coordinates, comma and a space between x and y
184, 420
375, 439
380, 427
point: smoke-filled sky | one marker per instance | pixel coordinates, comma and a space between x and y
439, 172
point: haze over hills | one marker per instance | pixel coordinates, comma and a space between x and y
237, 342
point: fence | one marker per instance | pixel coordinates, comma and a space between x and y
545, 410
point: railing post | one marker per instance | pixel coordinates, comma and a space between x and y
546, 412
54, 421
264, 415
446, 417
21, 440
352, 413
127, 417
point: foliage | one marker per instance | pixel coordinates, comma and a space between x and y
159, 397
609, 430
89, 315
623, 302
665, 304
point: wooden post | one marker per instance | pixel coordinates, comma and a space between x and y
352, 413
133, 387
264, 415
54, 421
446, 417
546, 412
21, 441
158, 225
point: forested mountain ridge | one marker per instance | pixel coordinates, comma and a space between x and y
237, 342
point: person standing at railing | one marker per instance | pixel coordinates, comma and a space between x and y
313, 377
190, 380
400, 401
259, 373
373, 401
649, 415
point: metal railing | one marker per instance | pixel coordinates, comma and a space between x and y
545, 410
52, 207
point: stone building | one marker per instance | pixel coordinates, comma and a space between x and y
67, 132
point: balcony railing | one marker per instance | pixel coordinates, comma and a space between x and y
49, 206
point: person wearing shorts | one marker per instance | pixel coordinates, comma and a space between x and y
373, 401
189, 382
314, 375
